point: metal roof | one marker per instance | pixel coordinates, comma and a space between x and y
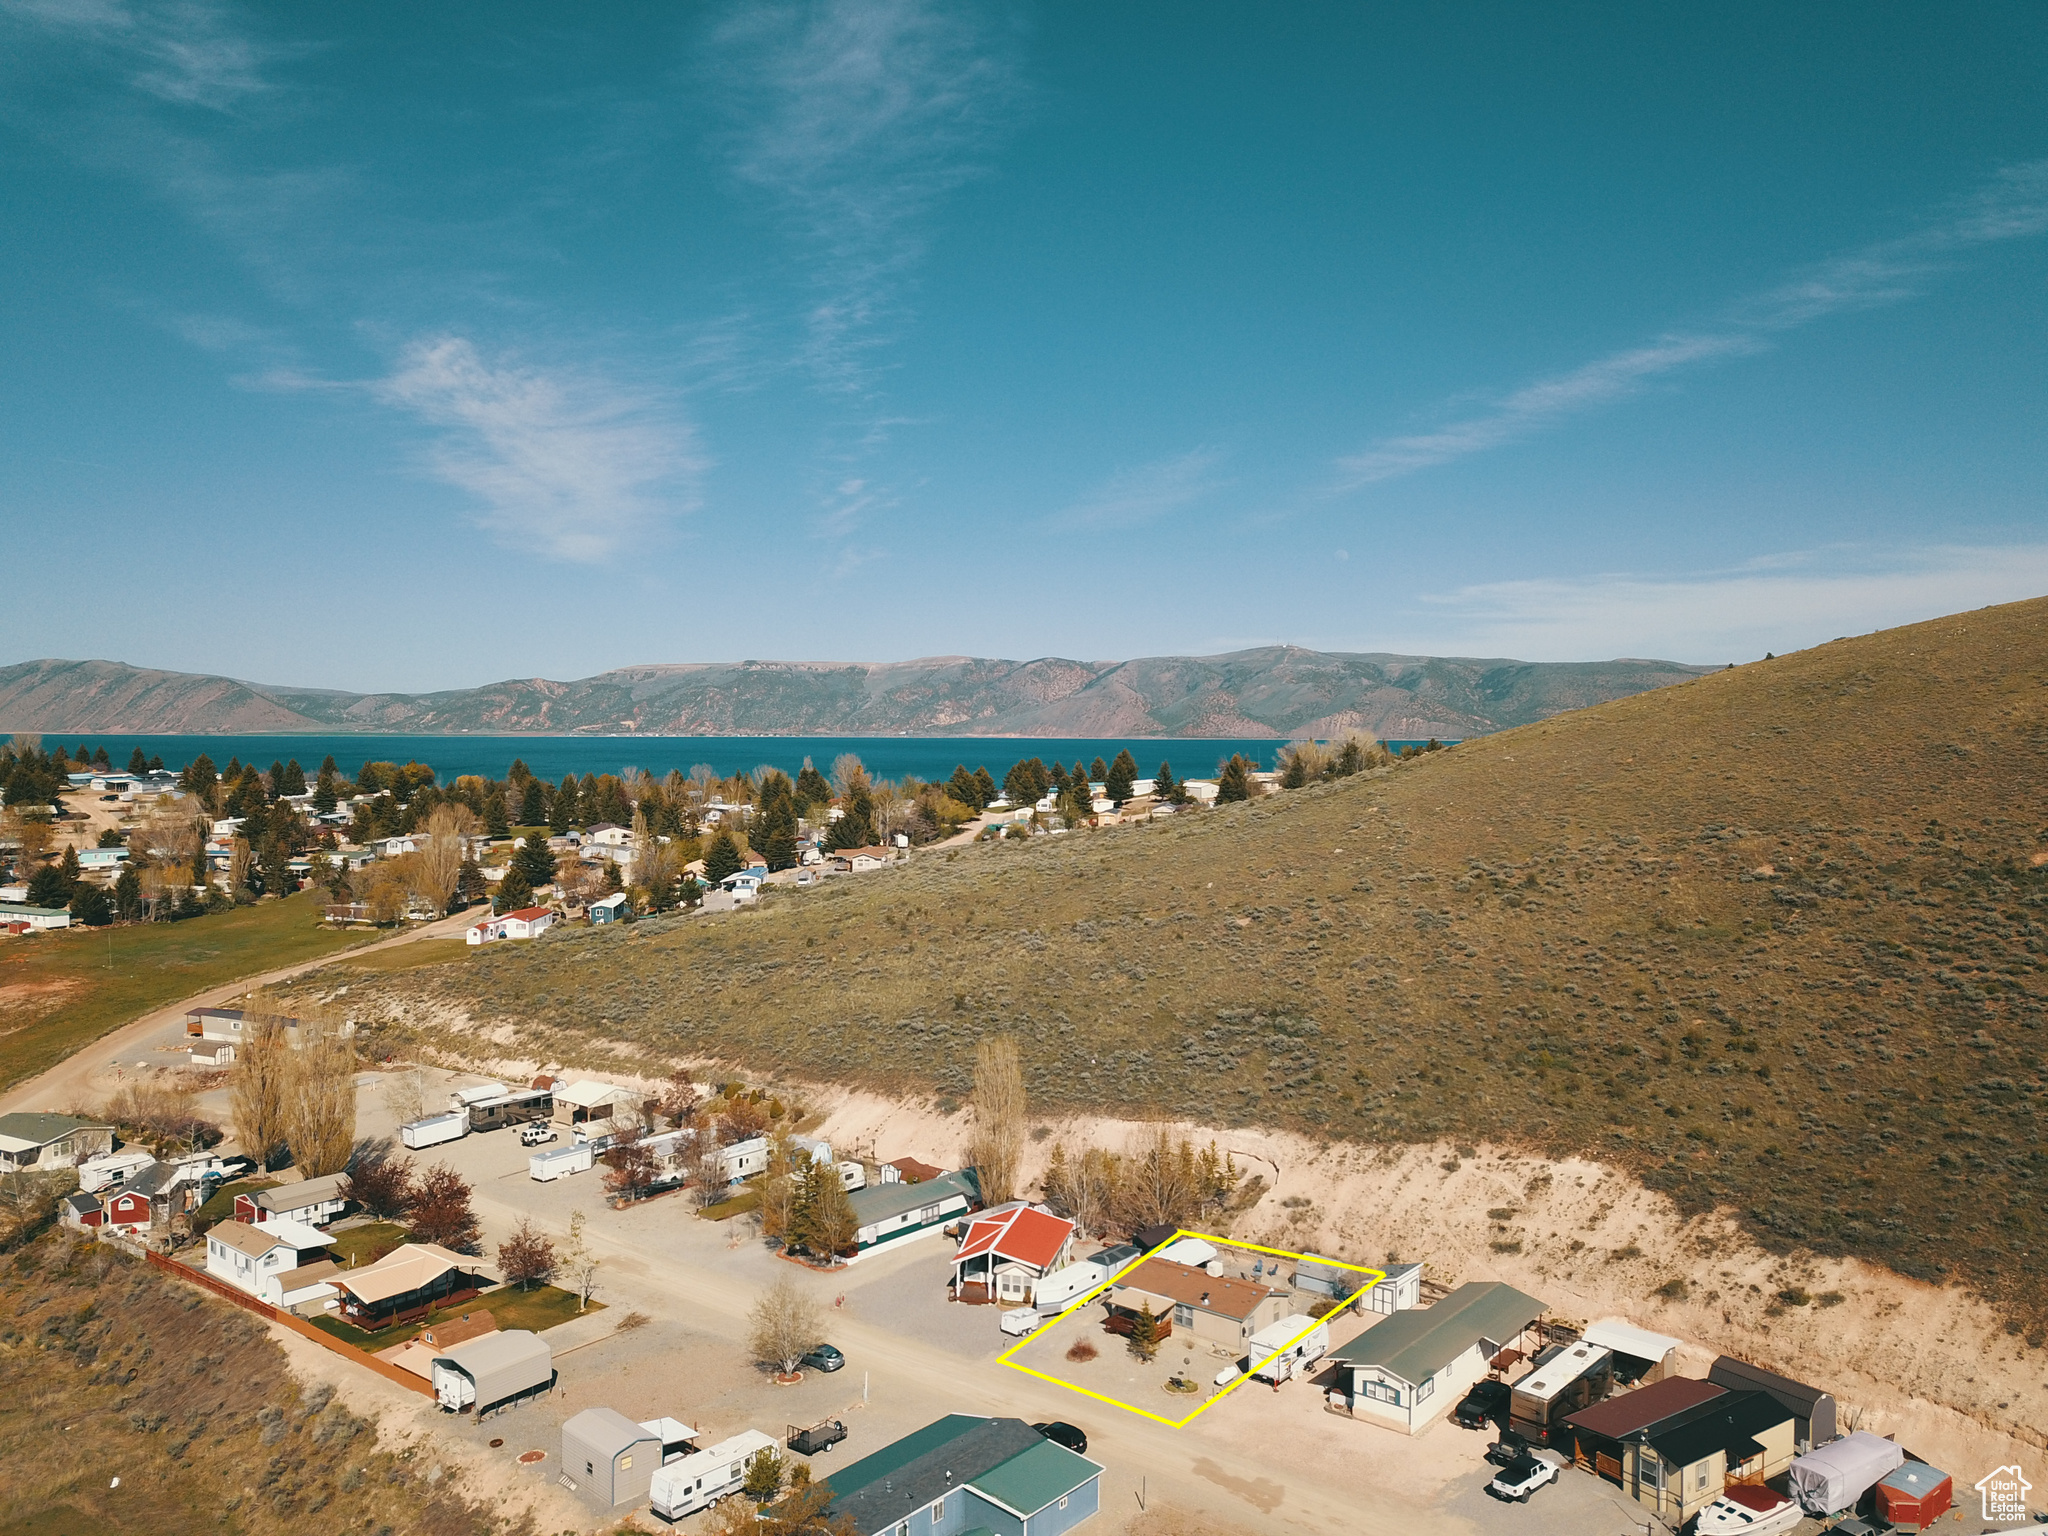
1035, 1477
1414, 1345
1644, 1407
880, 1202
1728, 1423
885, 1488
1735, 1374
39, 1130
1625, 1339
604, 1429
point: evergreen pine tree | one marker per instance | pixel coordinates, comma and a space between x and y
962, 787
69, 864
128, 895
191, 903
233, 772
294, 778
812, 789
48, 887
773, 833
985, 789
1144, 1333
533, 804
1163, 785
515, 892
100, 758
324, 796
1098, 772
565, 805
201, 867
137, 763
274, 780
156, 763
329, 768
198, 777
1234, 782
89, 905
497, 819
534, 860
1123, 777
274, 863
722, 858
856, 829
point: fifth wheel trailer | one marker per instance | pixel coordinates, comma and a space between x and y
485, 1373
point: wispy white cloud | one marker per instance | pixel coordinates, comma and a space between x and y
2012, 205
858, 116
1135, 496
1778, 603
184, 51
565, 462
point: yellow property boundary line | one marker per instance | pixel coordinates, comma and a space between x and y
1217, 1397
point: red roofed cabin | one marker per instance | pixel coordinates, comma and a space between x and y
526, 923
1005, 1253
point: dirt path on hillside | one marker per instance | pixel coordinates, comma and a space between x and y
76, 1079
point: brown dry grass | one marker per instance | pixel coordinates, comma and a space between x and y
1772, 941
114, 1370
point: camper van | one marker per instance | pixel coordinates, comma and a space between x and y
700, 1481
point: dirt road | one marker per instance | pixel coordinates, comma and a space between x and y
76, 1080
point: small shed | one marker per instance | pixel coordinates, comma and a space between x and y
491, 1370
1812, 1410
1914, 1495
612, 909
1400, 1290
609, 1457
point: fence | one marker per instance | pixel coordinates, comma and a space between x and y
284, 1319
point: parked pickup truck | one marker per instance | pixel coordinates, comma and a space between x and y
820, 1437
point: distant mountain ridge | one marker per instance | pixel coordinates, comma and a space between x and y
1272, 690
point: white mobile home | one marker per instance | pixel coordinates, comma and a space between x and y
1408, 1371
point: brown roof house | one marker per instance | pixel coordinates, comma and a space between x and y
1675, 1461
1193, 1304
407, 1283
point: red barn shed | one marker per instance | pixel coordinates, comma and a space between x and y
1915, 1496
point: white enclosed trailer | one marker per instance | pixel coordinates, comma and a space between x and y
559, 1162
435, 1129
697, 1482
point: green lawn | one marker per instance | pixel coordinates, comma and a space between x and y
367, 1244
60, 991
738, 1205
542, 1307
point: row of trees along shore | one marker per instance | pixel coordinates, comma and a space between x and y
673, 820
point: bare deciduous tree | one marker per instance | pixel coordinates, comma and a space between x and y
784, 1326
260, 1088
999, 1105
320, 1105
575, 1260
440, 856
405, 1094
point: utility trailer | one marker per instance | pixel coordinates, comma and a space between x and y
434, 1129
817, 1439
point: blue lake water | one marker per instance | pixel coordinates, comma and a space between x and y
886, 757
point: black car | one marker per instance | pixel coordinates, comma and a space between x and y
823, 1358
1484, 1403
1064, 1434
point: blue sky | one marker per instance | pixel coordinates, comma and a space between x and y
405, 347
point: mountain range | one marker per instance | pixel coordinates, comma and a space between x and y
1272, 690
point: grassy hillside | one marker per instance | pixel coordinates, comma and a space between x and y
121, 1372
59, 991
1773, 939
